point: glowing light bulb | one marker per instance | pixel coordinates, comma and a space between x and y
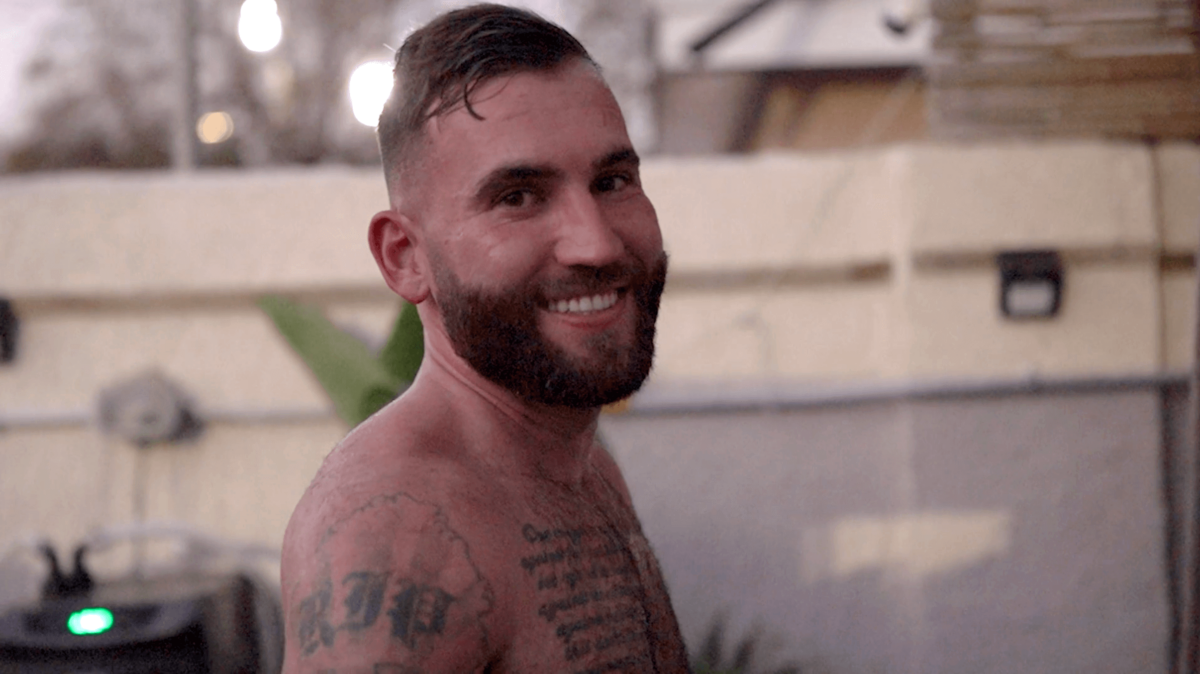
214, 127
259, 26
370, 86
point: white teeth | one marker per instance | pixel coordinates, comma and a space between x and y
580, 305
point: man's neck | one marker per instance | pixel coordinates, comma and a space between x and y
544, 441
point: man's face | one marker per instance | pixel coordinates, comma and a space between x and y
547, 256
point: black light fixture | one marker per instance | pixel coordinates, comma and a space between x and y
1031, 283
8, 332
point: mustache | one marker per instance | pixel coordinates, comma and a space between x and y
591, 280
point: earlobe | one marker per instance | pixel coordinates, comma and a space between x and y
391, 240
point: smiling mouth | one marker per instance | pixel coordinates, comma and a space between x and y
584, 304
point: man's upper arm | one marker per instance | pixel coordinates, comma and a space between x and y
386, 585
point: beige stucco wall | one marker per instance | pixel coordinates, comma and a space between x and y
1178, 178
784, 235
838, 267
240, 482
100, 235
934, 216
777, 210
1110, 324
981, 198
826, 332
225, 355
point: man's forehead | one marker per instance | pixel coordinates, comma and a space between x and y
515, 85
527, 112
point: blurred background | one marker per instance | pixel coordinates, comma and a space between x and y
921, 401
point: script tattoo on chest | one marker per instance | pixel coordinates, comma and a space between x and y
591, 593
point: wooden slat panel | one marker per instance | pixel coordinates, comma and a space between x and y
1059, 72
1065, 67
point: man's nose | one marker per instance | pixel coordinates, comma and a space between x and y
586, 236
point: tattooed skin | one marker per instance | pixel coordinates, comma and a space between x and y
590, 592
599, 590
583, 592
422, 582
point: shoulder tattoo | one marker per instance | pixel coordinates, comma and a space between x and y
393, 569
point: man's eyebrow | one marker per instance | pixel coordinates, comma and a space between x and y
505, 176
625, 155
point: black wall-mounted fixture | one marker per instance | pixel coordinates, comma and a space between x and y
1031, 283
9, 327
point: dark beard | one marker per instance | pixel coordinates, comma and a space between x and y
498, 336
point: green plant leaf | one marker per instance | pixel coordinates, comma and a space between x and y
351, 375
405, 348
713, 647
376, 398
711, 657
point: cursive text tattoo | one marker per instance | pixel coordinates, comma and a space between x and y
591, 594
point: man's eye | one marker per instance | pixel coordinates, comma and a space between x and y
612, 183
516, 199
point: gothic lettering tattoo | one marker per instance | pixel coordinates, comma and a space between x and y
418, 610
426, 583
364, 600
315, 629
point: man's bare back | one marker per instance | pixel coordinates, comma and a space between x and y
474, 525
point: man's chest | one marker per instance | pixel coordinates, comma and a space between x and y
586, 595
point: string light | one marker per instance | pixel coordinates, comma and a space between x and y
259, 26
370, 86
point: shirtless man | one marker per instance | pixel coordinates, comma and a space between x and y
475, 525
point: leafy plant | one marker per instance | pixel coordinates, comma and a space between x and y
713, 659
358, 381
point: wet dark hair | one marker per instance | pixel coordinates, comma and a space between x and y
440, 65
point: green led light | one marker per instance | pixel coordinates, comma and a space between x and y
90, 621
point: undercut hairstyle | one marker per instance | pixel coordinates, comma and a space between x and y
440, 65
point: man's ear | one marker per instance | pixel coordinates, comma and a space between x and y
402, 265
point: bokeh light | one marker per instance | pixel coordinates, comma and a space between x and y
259, 26
214, 127
370, 86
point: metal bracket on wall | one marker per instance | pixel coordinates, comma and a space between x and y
730, 23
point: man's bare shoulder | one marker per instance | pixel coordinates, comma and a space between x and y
380, 562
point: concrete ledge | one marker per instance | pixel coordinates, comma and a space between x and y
734, 396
